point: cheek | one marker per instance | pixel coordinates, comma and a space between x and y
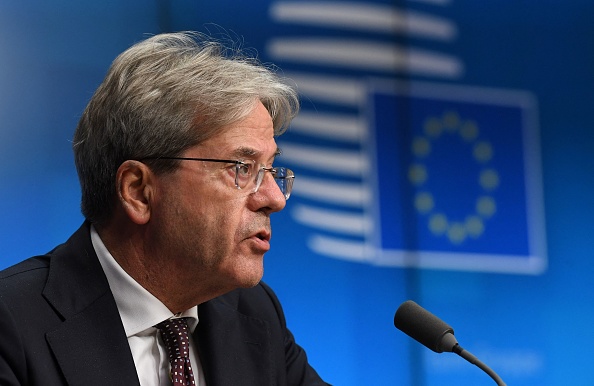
210, 222
225, 223
235, 221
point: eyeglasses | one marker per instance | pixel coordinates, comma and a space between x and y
247, 174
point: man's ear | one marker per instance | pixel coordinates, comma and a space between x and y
135, 189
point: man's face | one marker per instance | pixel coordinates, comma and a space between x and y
214, 232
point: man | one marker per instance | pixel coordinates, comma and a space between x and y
175, 156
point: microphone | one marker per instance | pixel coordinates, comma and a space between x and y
435, 334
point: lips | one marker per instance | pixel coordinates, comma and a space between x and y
263, 235
261, 240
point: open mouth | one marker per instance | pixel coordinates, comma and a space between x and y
265, 236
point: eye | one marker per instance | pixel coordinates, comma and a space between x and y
244, 171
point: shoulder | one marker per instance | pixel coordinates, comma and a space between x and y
35, 269
24, 286
26, 276
21, 294
26, 266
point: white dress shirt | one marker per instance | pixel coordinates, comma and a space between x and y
140, 311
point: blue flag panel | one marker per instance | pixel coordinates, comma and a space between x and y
457, 179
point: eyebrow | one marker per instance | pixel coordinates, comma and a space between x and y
248, 152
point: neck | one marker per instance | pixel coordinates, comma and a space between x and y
155, 271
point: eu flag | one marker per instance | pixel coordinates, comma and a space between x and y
457, 178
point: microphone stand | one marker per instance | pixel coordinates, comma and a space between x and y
475, 361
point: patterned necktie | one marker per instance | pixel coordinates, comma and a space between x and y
175, 336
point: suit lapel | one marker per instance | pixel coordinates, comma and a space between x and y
90, 345
234, 349
91, 351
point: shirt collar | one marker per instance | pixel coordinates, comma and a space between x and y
139, 309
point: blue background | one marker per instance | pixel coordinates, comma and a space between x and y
533, 330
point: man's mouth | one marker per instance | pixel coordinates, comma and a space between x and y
261, 240
263, 235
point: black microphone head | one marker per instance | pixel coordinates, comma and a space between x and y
424, 327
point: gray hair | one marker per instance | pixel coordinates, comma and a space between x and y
163, 96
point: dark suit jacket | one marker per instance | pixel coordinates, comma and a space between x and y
59, 325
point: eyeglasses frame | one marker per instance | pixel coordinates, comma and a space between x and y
259, 174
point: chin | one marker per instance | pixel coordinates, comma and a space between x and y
243, 270
248, 276
251, 279
252, 283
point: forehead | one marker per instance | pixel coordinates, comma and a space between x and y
251, 137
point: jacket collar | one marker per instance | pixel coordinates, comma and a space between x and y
90, 345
